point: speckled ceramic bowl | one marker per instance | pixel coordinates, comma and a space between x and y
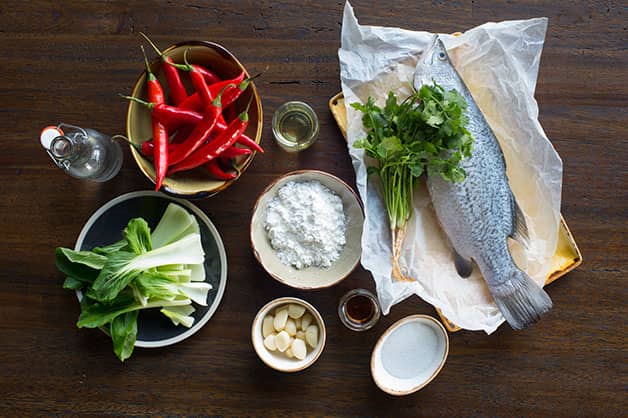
311, 277
275, 359
409, 355
195, 183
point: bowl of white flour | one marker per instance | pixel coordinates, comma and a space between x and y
306, 229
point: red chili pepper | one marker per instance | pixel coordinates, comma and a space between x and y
234, 152
198, 80
170, 116
214, 148
183, 133
231, 95
243, 139
195, 101
200, 133
216, 171
175, 85
210, 77
160, 133
147, 147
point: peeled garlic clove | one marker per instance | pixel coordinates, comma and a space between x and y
279, 323
269, 342
297, 322
306, 320
289, 353
311, 335
300, 335
267, 326
282, 341
298, 349
291, 327
296, 311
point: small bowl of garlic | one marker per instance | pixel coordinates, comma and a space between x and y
288, 334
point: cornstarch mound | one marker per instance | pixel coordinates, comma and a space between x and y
306, 224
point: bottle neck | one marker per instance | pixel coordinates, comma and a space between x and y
64, 148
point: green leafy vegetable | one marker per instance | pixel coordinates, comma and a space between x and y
111, 248
137, 234
180, 314
96, 314
162, 270
172, 226
123, 332
87, 258
425, 133
122, 267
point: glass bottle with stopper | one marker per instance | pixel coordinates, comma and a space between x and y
83, 153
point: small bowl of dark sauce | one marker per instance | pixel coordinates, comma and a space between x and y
359, 310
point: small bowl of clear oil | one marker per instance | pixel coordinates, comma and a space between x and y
295, 126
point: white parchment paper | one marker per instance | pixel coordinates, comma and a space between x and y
499, 63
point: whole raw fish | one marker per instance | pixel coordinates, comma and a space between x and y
480, 213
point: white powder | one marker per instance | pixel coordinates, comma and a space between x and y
306, 224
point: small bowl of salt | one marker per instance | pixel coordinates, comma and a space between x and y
409, 355
306, 229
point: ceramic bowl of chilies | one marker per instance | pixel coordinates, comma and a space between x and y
313, 277
198, 182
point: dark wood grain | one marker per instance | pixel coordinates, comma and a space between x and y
65, 61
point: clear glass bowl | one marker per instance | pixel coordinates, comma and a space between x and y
295, 126
359, 324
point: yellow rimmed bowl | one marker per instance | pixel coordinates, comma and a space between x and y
195, 183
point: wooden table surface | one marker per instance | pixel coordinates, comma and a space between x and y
66, 61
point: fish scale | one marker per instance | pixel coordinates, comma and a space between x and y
480, 213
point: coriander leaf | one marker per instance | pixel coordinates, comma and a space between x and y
361, 143
435, 120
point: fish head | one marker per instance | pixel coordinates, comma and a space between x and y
435, 65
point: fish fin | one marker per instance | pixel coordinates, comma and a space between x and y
521, 300
464, 267
519, 226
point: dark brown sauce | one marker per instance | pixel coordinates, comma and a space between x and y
360, 309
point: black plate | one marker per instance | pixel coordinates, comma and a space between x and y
106, 226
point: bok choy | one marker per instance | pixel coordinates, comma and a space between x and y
163, 269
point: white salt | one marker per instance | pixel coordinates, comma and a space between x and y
410, 350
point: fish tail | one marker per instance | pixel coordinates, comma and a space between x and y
521, 300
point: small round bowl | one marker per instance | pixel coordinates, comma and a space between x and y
409, 355
279, 361
195, 183
312, 277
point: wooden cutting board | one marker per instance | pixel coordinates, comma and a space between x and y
566, 258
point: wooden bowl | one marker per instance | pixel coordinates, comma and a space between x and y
196, 183
312, 277
275, 359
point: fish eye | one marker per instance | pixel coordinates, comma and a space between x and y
441, 55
